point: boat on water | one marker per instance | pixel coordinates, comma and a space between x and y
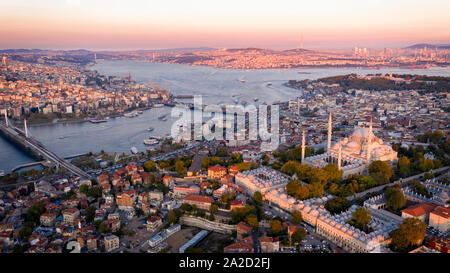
163, 117
131, 114
158, 105
134, 150
96, 120
269, 84
151, 141
2, 173
243, 81
256, 99
62, 137
140, 112
150, 129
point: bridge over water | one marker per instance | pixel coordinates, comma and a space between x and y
36, 149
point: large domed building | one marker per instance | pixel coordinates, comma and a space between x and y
353, 154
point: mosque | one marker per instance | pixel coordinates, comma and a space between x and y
353, 154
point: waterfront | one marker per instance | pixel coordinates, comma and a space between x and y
215, 85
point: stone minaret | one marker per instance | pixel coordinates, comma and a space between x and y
298, 106
329, 133
368, 150
370, 126
6, 118
340, 155
303, 146
25, 127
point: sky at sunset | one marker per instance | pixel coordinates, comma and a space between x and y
139, 24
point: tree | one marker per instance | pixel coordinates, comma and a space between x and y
361, 216
179, 167
213, 208
296, 217
426, 165
436, 136
34, 213
275, 226
150, 166
395, 199
103, 228
205, 162
172, 217
315, 189
25, 232
84, 189
90, 214
302, 193
292, 187
333, 172
380, 171
410, 233
404, 162
337, 205
298, 235
257, 196
252, 220
265, 160
186, 207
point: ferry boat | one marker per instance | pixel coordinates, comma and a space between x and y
2, 173
151, 141
134, 150
96, 120
158, 105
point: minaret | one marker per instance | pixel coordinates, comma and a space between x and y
298, 106
289, 104
329, 133
340, 155
370, 126
26, 128
368, 150
303, 146
6, 118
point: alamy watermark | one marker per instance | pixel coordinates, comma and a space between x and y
233, 123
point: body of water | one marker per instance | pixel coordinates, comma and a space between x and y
218, 86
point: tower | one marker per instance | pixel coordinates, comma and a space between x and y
6, 117
370, 126
339, 155
368, 150
25, 127
329, 133
289, 104
303, 146
298, 106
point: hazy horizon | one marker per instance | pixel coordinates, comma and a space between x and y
147, 25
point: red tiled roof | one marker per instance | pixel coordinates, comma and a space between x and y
217, 168
419, 209
442, 212
199, 198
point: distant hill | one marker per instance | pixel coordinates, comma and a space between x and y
423, 45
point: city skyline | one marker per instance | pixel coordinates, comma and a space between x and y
116, 25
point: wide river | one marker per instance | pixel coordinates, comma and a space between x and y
215, 85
